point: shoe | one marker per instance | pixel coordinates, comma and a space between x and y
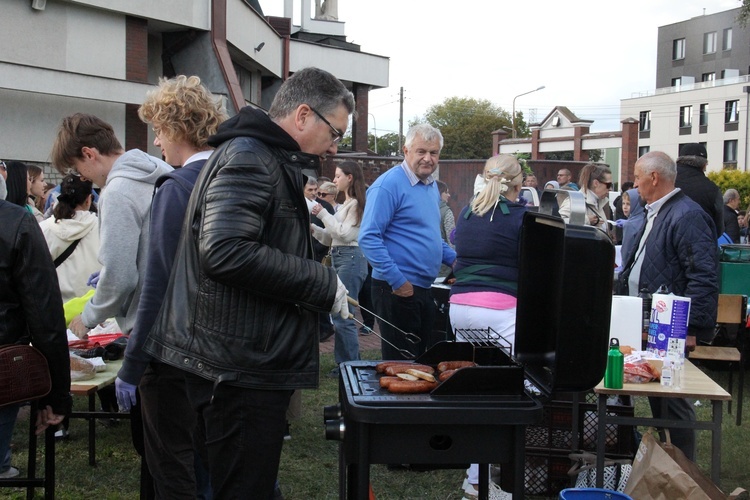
11, 472
277, 492
326, 335
334, 373
61, 434
287, 435
365, 330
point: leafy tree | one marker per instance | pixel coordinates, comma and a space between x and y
736, 179
387, 144
467, 125
744, 15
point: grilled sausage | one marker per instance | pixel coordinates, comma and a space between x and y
401, 368
454, 365
380, 367
446, 375
386, 381
408, 387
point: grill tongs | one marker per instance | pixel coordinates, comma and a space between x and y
410, 337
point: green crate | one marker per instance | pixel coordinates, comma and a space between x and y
734, 278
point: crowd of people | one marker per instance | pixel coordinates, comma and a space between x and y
229, 259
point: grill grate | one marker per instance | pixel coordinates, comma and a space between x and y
484, 337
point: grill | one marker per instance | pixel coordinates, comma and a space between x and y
480, 414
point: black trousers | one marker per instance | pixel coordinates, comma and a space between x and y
415, 314
244, 435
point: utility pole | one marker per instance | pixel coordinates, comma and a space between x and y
400, 118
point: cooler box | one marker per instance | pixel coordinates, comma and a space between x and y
734, 269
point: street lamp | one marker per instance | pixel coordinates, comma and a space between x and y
375, 128
514, 107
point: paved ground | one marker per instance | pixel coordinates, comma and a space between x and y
365, 341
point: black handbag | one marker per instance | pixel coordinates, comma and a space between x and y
24, 374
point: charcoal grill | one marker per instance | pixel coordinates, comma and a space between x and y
479, 415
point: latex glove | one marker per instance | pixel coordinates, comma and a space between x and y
340, 306
620, 222
125, 394
93, 279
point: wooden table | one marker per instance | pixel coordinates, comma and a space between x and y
695, 384
89, 388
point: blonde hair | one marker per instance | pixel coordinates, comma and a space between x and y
183, 109
502, 172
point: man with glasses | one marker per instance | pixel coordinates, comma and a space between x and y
239, 313
88, 145
564, 179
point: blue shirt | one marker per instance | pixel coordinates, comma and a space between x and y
400, 230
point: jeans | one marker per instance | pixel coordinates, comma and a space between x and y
244, 435
172, 435
351, 266
415, 314
8, 416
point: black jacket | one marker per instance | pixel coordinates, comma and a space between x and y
30, 301
241, 303
694, 183
731, 224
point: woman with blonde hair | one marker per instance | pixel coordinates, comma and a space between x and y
487, 246
596, 183
329, 192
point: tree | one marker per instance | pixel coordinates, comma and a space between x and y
387, 144
744, 15
467, 125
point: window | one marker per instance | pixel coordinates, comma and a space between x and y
676, 82
686, 116
678, 49
709, 42
703, 115
708, 77
731, 112
730, 151
645, 121
642, 150
726, 43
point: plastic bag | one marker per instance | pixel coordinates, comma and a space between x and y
639, 372
81, 368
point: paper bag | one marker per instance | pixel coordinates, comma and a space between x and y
662, 472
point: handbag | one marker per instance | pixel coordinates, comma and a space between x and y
327, 260
24, 374
616, 472
661, 471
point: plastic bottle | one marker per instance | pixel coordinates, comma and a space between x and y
615, 366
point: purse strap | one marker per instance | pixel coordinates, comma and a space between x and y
61, 258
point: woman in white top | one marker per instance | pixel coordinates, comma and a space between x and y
73, 222
341, 232
596, 182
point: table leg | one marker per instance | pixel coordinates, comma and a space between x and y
484, 482
716, 442
92, 429
601, 437
49, 463
519, 462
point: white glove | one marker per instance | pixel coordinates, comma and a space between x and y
340, 306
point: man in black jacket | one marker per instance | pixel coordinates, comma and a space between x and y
239, 313
731, 206
692, 180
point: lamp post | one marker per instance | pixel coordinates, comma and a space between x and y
514, 107
375, 128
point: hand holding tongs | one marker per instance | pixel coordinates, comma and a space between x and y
414, 339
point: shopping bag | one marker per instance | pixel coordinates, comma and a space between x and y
583, 472
661, 471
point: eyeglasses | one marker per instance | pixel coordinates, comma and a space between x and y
3, 165
323, 195
336, 134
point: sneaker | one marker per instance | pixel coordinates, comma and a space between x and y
11, 472
61, 434
365, 330
287, 435
334, 373
495, 492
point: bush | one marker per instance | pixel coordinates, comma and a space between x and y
727, 179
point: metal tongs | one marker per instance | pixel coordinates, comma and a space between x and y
414, 339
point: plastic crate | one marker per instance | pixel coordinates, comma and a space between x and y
546, 473
555, 431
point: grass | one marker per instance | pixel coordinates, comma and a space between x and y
309, 466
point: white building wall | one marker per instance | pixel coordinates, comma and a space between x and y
346, 65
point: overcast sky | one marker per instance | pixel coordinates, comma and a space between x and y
588, 54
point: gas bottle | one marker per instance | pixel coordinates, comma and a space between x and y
615, 366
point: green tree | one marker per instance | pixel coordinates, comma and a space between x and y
736, 179
387, 144
467, 125
744, 15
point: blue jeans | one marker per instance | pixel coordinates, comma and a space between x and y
8, 416
351, 266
